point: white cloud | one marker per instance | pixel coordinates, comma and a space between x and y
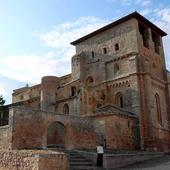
58, 62
131, 2
2, 90
163, 21
62, 35
31, 67
145, 11
143, 2
164, 14
123, 2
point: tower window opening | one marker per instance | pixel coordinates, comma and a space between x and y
92, 54
121, 101
116, 68
90, 80
104, 50
156, 41
145, 35
128, 124
116, 47
73, 91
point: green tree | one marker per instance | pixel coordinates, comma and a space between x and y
2, 101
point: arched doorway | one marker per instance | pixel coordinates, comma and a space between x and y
56, 133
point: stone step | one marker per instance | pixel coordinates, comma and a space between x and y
76, 157
81, 163
80, 159
82, 168
78, 162
74, 154
87, 168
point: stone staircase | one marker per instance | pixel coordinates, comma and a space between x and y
115, 159
83, 159
78, 162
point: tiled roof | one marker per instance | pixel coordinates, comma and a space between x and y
112, 109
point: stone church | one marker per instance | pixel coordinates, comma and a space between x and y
117, 95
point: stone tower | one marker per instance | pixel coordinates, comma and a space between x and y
123, 64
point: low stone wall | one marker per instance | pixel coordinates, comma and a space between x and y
5, 137
120, 159
111, 162
119, 131
32, 160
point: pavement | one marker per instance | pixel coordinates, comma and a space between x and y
162, 163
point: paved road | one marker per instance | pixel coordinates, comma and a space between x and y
162, 163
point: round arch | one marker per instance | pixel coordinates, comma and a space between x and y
89, 80
66, 109
116, 68
56, 134
119, 99
158, 108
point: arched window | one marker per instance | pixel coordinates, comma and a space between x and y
73, 91
90, 80
92, 54
119, 100
116, 68
158, 108
66, 109
56, 108
154, 65
99, 105
21, 97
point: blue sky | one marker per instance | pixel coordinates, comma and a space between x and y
35, 34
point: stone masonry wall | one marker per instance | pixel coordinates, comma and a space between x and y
32, 160
119, 131
30, 129
26, 93
160, 140
152, 80
65, 96
124, 34
102, 92
5, 137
